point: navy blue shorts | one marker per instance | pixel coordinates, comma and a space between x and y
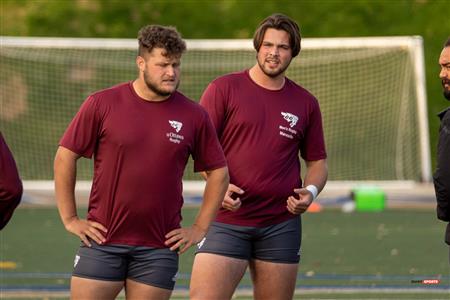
152, 266
279, 243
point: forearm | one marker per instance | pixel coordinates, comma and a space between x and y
316, 174
216, 186
65, 178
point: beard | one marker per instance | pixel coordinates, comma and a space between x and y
157, 89
272, 72
446, 91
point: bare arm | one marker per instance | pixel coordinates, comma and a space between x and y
231, 200
65, 169
216, 185
316, 174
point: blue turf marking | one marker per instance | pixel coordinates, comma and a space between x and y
405, 282
52, 275
437, 288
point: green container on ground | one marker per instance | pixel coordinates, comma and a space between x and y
369, 198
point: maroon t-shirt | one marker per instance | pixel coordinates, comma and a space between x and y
10, 184
262, 132
140, 152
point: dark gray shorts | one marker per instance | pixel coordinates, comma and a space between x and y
152, 266
279, 243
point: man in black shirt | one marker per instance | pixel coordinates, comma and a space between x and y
442, 174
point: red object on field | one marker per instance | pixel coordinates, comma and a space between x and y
314, 208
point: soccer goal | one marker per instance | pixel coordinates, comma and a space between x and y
371, 92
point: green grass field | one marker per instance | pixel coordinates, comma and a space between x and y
340, 252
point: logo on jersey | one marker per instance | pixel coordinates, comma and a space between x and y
292, 119
177, 125
172, 136
76, 260
200, 244
286, 131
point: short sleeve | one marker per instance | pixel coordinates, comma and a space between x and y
213, 102
208, 154
313, 145
10, 184
83, 132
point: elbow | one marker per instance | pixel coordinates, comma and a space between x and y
443, 212
18, 191
443, 206
12, 191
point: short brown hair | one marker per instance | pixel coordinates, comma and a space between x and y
157, 36
447, 43
279, 22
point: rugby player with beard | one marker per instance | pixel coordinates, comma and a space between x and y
141, 134
263, 120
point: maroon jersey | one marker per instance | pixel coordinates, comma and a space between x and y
262, 132
10, 184
140, 151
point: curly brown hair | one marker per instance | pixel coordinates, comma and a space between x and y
158, 36
279, 22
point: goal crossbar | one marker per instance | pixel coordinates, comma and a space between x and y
414, 44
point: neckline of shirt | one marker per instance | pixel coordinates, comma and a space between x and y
140, 99
247, 74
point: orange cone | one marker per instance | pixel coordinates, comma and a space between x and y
314, 208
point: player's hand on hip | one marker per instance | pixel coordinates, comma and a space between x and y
299, 205
183, 238
231, 201
86, 230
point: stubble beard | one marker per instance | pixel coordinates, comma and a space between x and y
272, 73
446, 91
157, 90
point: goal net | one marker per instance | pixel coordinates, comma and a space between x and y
371, 92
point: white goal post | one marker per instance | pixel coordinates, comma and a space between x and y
371, 91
